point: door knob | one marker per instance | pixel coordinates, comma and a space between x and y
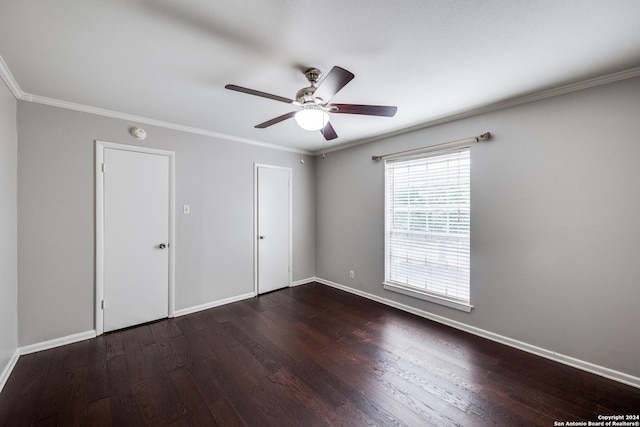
162, 246
262, 237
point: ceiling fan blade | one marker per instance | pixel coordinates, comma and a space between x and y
332, 83
276, 120
328, 132
368, 110
258, 93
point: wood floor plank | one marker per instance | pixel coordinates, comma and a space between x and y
222, 348
170, 357
123, 407
24, 386
161, 387
225, 414
114, 345
53, 389
196, 356
303, 308
258, 388
99, 413
424, 364
371, 408
309, 355
306, 407
439, 411
197, 321
297, 327
238, 374
286, 342
74, 405
361, 375
264, 351
98, 385
144, 335
165, 328
239, 309
187, 328
265, 302
147, 409
196, 408
138, 369
556, 407
218, 315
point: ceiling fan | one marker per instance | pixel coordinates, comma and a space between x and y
314, 102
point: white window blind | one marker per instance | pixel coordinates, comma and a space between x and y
428, 224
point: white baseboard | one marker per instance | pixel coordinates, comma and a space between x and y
303, 281
58, 342
194, 309
4, 376
548, 354
70, 339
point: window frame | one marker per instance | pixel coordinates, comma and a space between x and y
405, 289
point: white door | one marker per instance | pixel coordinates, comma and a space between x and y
136, 203
273, 225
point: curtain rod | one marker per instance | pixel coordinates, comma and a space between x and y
485, 136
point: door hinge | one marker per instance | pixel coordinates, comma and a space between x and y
102, 167
102, 304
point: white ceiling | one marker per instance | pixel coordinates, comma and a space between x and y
168, 61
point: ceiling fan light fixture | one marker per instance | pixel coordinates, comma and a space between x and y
312, 118
314, 100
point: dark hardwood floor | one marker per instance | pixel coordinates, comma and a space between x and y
308, 356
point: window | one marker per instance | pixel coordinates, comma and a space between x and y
427, 230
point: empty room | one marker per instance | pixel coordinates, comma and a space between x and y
291, 213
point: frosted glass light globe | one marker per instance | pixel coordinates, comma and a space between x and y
312, 118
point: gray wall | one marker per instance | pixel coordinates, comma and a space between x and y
214, 244
555, 223
8, 234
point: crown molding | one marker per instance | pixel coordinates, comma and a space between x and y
153, 122
13, 86
11, 83
19, 94
508, 103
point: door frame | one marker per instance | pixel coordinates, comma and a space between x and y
99, 279
257, 166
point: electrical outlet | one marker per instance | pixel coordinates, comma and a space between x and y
352, 275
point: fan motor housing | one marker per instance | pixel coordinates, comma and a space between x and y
305, 95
